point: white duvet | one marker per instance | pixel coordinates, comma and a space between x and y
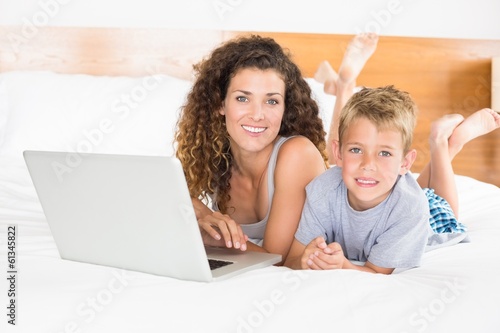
455, 289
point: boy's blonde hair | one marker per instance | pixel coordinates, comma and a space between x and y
386, 107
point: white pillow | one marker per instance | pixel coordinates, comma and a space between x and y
78, 112
325, 102
84, 113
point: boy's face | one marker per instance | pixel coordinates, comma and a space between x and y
371, 162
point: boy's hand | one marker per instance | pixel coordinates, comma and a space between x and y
319, 255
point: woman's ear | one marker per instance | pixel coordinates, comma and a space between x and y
222, 110
408, 161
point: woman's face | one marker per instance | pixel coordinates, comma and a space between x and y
254, 107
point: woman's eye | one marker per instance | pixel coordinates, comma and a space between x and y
241, 99
272, 102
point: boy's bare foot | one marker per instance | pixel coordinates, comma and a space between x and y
479, 123
443, 128
326, 74
356, 55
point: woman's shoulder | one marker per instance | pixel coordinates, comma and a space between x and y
298, 146
298, 157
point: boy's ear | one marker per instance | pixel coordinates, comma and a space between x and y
408, 161
336, 153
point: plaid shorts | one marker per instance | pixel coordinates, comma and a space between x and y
442, 219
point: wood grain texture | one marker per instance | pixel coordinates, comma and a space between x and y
443, 75
106, 51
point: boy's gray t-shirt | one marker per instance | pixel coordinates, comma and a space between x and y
393, 234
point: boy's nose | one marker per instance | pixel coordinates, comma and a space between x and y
368, 163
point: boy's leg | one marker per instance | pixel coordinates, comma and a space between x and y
438, 173
342, 85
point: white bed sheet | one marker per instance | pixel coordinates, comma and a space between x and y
455, 289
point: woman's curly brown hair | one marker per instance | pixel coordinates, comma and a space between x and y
202, 141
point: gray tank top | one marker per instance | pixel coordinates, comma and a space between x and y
255, 231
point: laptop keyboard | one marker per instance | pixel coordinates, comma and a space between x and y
214, 263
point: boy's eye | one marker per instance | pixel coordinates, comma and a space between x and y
385, 153
355, 150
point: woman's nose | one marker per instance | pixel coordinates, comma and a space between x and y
256, 112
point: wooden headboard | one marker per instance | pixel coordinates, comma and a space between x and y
443, 75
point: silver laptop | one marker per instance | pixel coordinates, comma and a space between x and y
130, 212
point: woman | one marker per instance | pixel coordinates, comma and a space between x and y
250, 139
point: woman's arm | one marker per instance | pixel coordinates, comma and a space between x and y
298, 163
200, 209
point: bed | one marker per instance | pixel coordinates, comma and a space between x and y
59, 86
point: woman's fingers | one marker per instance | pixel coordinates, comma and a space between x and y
222, 227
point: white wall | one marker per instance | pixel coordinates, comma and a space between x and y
478, 19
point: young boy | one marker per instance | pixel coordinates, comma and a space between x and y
368, 212
321, 215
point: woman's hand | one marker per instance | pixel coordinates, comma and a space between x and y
220, 230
